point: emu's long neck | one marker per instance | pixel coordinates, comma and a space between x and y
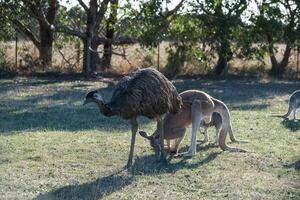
104, 109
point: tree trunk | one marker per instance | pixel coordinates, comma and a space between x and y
95, 59
46, 45
225, 54
279, 68
221, 66
107, 49
110, 31
90, 58
86, 67
106, 57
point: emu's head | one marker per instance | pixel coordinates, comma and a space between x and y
93, 96
154, 141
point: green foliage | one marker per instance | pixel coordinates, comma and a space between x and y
7, 32
74, 18
149, 23
220, 21
4, 64
176, 59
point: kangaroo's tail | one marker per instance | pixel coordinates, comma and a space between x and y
222, 109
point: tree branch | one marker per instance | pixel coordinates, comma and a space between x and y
122, 40
51, 11
83, 5
173, 11
68, 30
21, 27
42, 18
101, 12
101, 40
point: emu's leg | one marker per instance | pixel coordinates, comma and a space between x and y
134, 128
160, 127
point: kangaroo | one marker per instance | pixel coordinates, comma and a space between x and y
294, 104
216, 121
197, 107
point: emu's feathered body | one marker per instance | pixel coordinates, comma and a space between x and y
144, 92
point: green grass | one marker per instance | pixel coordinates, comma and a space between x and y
52, 147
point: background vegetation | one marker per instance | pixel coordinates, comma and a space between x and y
198, 36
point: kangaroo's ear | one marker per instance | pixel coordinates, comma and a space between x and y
145, 135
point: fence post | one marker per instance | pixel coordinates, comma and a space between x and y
158, 55
16, 52
298, 48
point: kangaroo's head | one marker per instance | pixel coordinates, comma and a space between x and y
154, 141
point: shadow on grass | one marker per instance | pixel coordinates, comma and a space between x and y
149, 164
93, 190
146, 165
295, 165
61, 110
238, 91
293, 125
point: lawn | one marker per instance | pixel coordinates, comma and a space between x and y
52, 147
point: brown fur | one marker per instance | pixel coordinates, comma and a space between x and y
197, 106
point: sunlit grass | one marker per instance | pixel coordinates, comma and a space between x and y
52, 147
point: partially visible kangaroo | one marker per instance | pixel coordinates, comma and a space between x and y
216, 121
197, 107
294, 104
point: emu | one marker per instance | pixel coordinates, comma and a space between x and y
145, 92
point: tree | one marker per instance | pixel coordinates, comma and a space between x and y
220, 20
183, 35
24, 15
150, 23
278, 21
98, 29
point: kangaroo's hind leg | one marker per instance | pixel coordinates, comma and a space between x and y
196, 119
